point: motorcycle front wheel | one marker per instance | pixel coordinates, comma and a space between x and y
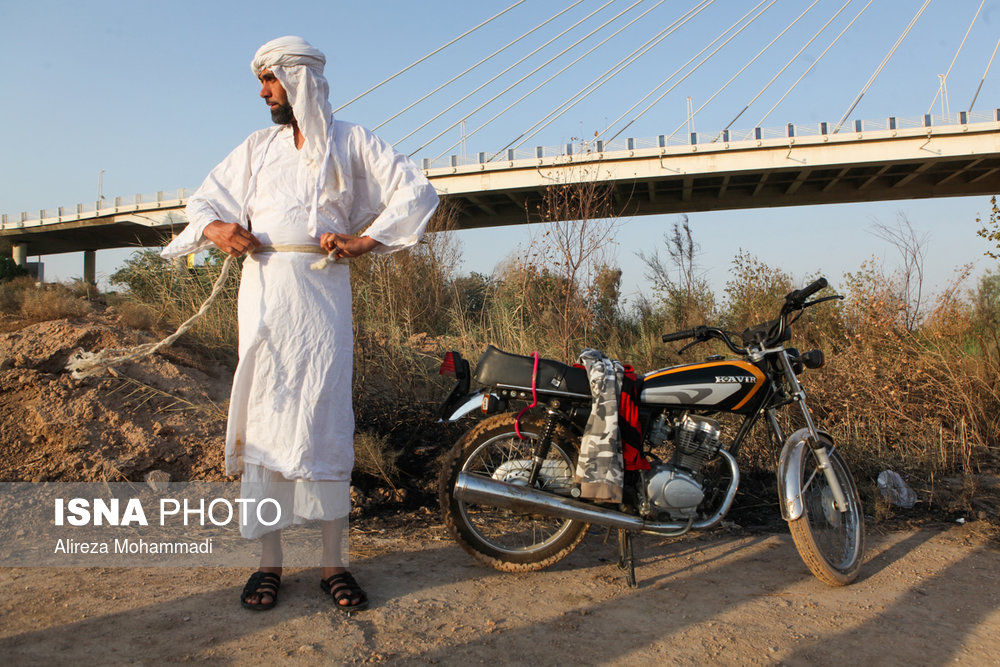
830, 542
504, 539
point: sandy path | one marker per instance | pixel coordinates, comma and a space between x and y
925, 597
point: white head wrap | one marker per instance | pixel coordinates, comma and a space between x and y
298, 66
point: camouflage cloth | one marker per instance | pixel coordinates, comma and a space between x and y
599, 471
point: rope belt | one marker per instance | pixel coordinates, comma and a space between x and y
83, 364
303, 247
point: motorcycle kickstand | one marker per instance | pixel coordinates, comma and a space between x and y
626, 556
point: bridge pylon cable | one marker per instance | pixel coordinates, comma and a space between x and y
606, 76
733, 26
550, 78
472, 67
988, 65
495, 77
432, 53
749, 63
808, 69
788, 64
882, 65
944, 79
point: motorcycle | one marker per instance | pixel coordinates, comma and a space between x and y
507, 489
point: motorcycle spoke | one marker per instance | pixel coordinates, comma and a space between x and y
509, 459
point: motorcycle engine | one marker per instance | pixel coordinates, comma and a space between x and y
674, 487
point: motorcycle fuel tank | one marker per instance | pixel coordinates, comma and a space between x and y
732, 386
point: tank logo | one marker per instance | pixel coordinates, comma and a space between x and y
741, 379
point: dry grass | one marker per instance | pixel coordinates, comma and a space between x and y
22, 297
918, 394
374, 456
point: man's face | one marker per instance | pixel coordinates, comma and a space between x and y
276, 98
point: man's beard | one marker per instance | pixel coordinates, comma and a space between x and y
282, 114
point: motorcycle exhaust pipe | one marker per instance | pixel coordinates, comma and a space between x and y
487, 491
491, 492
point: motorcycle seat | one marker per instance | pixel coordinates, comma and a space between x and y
499, 368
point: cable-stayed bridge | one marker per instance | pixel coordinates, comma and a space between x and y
932, 155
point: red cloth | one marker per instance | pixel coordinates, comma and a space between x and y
628, 422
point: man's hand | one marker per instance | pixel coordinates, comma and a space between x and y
230, 238
345, 245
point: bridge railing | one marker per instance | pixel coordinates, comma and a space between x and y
143, 201
688, 138
151, 200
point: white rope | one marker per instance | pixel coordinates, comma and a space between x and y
472, 67
494, 78
945, 79
608, 74
882, 65
435, 51
557, 73
752, 61
693, 70
810, 68
82, 364
988, 65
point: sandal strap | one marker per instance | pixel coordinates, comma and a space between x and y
343, 586
265, 583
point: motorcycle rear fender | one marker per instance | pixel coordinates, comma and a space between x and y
790, 472
460, 408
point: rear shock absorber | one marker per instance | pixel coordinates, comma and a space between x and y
544, 444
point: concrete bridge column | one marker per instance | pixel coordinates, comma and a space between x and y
20, 253
90, 267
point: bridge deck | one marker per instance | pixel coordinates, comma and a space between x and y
910, 163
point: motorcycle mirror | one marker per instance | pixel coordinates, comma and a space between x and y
813, 359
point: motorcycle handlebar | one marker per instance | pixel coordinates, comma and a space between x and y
679, 335
800, 295
795, 300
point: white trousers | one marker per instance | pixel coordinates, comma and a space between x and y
298, 500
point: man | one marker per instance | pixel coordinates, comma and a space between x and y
310, 185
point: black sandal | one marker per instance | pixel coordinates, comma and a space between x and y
343, 586
261, 584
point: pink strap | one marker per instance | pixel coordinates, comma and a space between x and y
534, 397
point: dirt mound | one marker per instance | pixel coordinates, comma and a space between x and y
166, 412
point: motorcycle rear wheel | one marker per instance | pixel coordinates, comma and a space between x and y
831, 543
504, 539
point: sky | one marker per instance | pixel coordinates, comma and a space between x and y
115, 98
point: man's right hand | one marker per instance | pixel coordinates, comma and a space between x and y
230, 238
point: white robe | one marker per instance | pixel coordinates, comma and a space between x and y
290, 409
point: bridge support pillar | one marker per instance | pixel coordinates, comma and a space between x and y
20, 253
90, 267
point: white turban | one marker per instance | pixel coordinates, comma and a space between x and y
298, 66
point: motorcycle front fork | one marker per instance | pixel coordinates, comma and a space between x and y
818, 450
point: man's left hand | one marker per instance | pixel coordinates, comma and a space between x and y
345, 245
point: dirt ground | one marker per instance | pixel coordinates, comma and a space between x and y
925, 597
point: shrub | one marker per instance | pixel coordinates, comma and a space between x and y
9, 269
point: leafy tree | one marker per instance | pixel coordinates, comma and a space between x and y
991, 228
